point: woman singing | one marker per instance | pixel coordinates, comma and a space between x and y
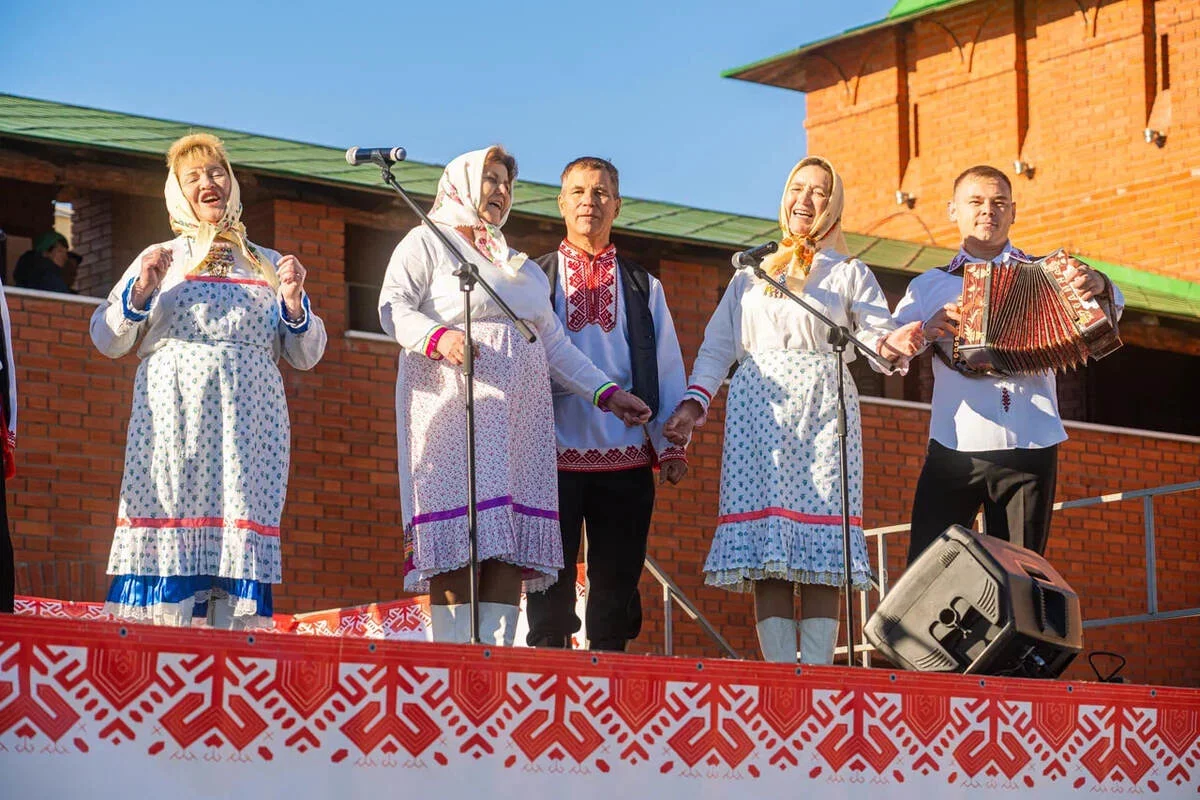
206, 464
779, 530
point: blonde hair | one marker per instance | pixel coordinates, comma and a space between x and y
196, 146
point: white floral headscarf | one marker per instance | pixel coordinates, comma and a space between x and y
457, 205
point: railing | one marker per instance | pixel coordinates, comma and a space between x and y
671, 593
1152, 611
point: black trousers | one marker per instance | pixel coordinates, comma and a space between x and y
1015, 488
616, 506
7, 565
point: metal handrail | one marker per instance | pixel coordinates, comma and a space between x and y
1152, 613
671, 591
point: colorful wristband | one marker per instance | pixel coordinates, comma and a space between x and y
602, 395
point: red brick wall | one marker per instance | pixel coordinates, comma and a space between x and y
1073, 101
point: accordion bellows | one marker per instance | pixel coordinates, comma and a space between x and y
1026, 318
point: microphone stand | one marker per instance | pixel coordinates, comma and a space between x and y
839, 337
468, 276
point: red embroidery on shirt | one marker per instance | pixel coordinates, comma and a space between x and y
591, 287
1005, 399
614, 458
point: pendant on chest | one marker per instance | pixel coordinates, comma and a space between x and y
219, 261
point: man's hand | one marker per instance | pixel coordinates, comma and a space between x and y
943, 324
1086, 280
629, 407
672, 471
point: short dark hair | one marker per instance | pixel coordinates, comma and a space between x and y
497, 154
983, 171
594, 162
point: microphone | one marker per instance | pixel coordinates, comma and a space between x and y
754, 256
367, 155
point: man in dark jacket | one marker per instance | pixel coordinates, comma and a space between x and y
41, 267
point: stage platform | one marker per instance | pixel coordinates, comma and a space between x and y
96, 709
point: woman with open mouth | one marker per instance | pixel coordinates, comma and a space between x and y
421, 306
779, 527
206, 464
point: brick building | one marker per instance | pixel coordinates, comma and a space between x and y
342, 538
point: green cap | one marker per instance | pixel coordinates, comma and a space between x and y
45, 243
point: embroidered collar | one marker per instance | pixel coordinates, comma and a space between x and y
569, 250
1009, 253
591, 287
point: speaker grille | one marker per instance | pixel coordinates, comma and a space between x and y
936, 661
947, 556
989, 601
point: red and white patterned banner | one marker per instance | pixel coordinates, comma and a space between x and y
107, 710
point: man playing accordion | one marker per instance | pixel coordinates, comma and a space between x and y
993, 438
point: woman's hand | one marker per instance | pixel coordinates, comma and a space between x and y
904, 342
678, 430
291, 275
452, 346
629, 407
153, 269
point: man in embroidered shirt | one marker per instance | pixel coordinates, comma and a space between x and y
616, 313
993, 440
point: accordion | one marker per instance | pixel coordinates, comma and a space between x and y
1026, 318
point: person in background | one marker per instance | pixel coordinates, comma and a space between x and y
70, 271
41, 267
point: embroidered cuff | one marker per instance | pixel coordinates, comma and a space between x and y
700, 395
673, 453
431, 342
295, 326
131, 313
601, 396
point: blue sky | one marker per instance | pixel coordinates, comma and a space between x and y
636, 82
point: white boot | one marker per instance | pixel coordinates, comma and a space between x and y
450, 623
498, 623
777, 639
818, 637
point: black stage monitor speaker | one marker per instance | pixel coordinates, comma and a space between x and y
977, 604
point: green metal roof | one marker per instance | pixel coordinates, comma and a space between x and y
44, 121
1150, 291
785, 68
907, 8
